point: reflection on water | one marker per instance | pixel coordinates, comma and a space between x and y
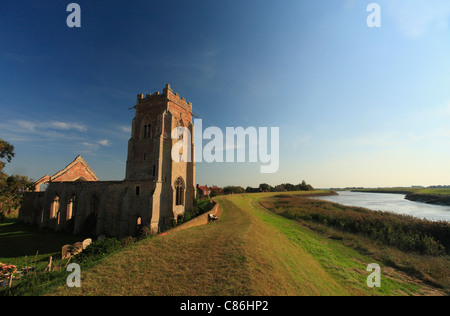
395, 203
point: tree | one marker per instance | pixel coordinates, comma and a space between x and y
6, 151
11, 187
304, 187
289, 186
233, 190
264, 187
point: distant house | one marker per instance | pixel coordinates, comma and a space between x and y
203, 191
215, 190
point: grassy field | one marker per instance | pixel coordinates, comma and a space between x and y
418, 247
249, 251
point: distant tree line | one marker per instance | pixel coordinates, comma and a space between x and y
264, 187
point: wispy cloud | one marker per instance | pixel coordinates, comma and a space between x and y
50, 125
92, 147
67, 126
105, 142
125, 129
89, 145
415, 18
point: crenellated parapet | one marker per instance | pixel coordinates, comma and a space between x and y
166, 95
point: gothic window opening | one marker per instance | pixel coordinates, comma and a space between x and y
71, 207
54, 207
147, 131
179, 191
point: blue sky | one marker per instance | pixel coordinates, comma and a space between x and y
356, 106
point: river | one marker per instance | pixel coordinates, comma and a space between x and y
395, 203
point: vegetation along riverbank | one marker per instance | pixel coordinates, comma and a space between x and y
435, 196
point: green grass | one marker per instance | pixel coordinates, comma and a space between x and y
345, 265
347, 224
445, 192
405, 232
22, 245
18, 241
249, 251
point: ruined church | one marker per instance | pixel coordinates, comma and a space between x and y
155, 191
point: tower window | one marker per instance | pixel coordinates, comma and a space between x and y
138, 190
148, 131
179, 192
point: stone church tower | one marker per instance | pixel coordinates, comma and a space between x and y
156, 189
150, 154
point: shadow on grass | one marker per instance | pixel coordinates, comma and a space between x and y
18, 240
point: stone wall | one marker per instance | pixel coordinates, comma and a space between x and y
111, 208
199, 220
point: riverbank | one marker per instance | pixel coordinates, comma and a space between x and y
435, 199
429, 196
418, 247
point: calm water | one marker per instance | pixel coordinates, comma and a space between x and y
395, 203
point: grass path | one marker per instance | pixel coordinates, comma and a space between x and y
249, 251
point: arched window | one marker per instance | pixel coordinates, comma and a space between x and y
54, 209
179, 191
71, 207
147, 131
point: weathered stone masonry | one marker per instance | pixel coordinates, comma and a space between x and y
155, 190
